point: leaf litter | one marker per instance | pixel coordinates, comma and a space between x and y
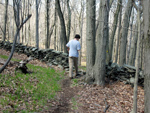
116, 96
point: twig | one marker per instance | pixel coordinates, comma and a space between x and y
107, 106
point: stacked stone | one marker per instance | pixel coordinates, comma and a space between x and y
50, 56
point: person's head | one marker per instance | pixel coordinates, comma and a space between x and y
77, 36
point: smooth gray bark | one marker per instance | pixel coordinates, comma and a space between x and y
16, 6
69, 20
55, 31
146, 17
130, 38
22, 17
137, 64
5, 20
123, 43
118, 38
102, 35
133, 47
81, 30
90, 37
47, 41
37, 24
111, 40
110, 4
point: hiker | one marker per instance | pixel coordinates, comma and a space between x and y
73, 47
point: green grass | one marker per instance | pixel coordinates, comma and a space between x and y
29, 92
74, 82
6, 57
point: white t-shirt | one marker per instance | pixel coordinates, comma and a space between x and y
74, 46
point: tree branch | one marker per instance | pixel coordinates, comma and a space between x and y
2, 29
14, 43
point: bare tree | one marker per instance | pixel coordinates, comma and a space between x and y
114, 30
69, 20
102, 36
132, 53
63, 28
137, 64
146, 17
16, 6
47, 24
37, 24
55, 34
118, 39
5, 20
96, 64
81, 17
124, 32
130, 38
90, 39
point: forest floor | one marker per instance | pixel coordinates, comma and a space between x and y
78, 97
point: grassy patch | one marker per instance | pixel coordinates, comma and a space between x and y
74, 82
30, 92
6, 57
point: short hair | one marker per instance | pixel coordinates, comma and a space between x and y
77, 36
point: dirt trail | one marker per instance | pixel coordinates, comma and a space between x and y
64, 98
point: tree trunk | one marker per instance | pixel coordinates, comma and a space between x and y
124, 33
5, 19
130, 39
16, 6
29, 29
118, 39
63, 28
137, 64
55, 34
114, 30
133, 47
90, 37
47, 41
69, 20
146, 14
22, 17
37, 24
81, 29
102, 36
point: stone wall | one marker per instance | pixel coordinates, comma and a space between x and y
50, 56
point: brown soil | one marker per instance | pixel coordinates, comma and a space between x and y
64, 98
83, 98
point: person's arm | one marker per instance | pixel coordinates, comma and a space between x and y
78, 47
68, 48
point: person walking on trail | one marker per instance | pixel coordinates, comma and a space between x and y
73, 47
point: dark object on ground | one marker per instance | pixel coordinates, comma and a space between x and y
22, 65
